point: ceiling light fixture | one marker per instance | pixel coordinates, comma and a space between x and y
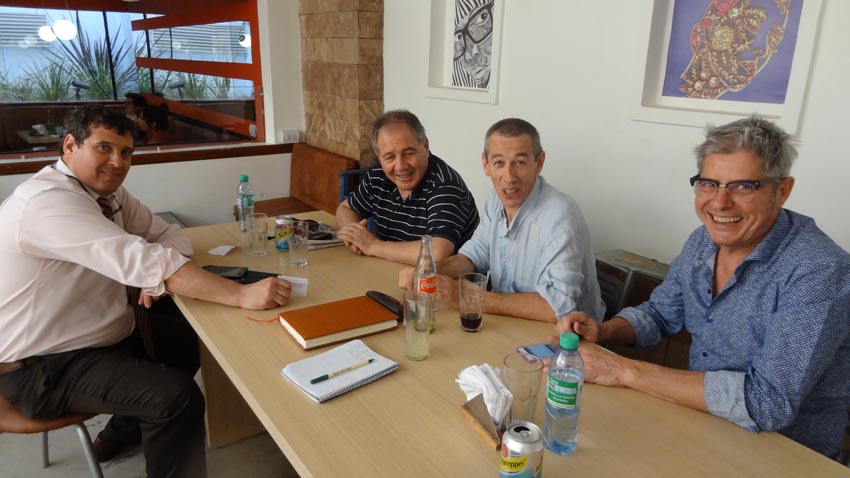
64, 29
245, 40
46, 33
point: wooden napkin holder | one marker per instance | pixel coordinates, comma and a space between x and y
476, 414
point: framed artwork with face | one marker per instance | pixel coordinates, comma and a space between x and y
714, 61
464, 50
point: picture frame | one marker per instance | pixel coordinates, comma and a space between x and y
652, 62
441, 58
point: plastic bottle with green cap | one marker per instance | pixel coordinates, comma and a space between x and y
563, 397
244, 201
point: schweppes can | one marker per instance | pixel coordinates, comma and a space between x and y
522, 451
283, 230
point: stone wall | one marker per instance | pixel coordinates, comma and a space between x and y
342, 74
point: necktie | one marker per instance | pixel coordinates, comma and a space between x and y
105, 204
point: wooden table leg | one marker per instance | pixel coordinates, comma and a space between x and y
229, 418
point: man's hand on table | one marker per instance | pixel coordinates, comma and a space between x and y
357, 237
448, 291
582, 324
265, 294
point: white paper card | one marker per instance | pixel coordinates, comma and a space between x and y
220, 250
299, 285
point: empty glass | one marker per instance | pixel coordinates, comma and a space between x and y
522, 374
258, 226
298, 243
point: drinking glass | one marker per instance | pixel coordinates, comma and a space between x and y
258, 227
298, 242
416, 327
521, 374
471, 285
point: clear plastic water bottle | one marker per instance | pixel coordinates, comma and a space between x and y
563, 397
244, 201
425, 279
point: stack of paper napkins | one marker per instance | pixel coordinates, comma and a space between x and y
484, 379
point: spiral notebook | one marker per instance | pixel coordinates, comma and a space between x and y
303, 371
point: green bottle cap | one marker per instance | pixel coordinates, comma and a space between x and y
243, 178
569, 341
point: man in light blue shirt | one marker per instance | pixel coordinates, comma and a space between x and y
764, 293
532, 239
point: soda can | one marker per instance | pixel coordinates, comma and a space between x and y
284, 227
522, 451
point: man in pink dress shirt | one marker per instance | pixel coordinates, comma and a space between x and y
71, 240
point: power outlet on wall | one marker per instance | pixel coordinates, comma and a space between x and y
288, 136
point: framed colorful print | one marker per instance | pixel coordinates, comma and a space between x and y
714, 61
464, 50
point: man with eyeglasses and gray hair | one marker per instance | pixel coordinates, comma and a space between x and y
764, 293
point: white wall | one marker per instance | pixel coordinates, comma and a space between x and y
203, 192
567, 66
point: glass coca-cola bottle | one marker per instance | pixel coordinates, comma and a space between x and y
425, 279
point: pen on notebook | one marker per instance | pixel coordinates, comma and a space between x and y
326, 376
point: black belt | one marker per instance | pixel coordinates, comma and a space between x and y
8, 367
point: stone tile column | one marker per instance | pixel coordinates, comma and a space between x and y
342, 74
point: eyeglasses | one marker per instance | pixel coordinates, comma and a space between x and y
742, 190
477, 28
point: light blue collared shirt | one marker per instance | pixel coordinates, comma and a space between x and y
546, 250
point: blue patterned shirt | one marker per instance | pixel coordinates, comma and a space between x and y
775, 342
546, 250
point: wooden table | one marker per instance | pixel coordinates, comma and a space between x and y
410, 424
44, 139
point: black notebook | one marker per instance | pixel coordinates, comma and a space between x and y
232, 273
255, 276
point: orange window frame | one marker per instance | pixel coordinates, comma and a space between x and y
243, 11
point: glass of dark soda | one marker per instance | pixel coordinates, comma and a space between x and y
471, 297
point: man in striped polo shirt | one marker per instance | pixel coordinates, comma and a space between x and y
411, 193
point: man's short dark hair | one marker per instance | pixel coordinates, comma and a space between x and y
512, 128
138, 100
157, 115
398, 116
80, 121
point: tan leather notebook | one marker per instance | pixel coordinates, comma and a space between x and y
337, 321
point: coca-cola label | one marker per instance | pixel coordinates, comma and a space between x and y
428, 285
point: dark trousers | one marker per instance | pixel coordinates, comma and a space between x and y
158, 400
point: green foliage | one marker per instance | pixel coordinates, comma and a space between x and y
160, 78
51, 83
220, 86
17, 89
144, 80
88, 60
196, 87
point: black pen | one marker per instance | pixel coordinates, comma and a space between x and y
326, 376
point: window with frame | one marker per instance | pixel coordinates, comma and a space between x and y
192, 63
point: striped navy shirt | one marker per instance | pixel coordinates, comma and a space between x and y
440, 206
